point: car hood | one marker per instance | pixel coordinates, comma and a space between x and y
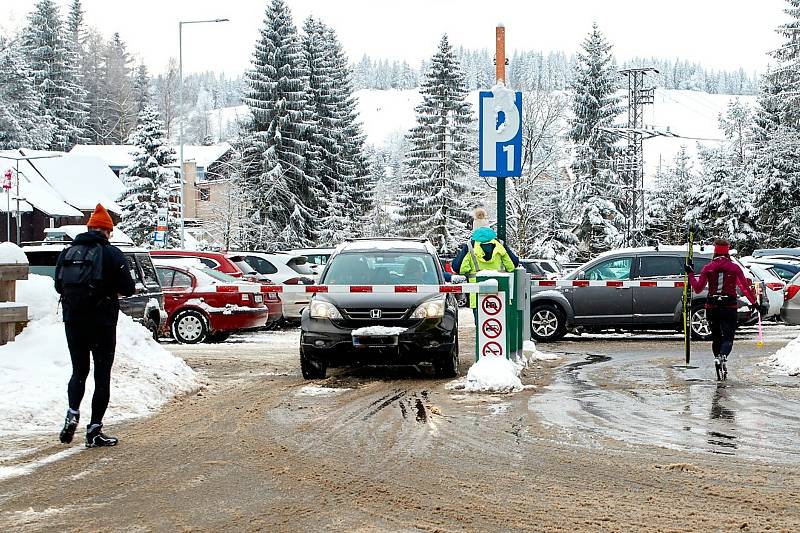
373, 300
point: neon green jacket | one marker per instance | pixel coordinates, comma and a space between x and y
490, 255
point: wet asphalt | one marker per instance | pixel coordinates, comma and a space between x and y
637, 389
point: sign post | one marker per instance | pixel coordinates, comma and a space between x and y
492, 330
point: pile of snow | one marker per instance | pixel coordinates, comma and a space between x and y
494, 374
530, 353
377, 331
787, 359
35, 369
313, 390
11, 254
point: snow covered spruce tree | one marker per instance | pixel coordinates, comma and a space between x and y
54, 64
150, 181
283, 193
21, 125
776, 140
667, 204
596, 197
440, 158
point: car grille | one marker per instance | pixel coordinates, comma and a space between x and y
389, 317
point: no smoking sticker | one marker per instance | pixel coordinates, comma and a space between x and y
492, 305
492, 328
492, 349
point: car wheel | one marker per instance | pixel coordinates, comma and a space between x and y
312, 368
189, 327
218, 336
701, 329
547, 323
154, 328
447, 366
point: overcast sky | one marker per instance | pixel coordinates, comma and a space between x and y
718, 33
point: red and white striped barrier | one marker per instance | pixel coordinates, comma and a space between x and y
484, 287
594, 283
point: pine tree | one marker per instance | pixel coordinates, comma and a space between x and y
141, 88
21, 126
667, 204
597, 192
55, 70
786, 74
150, 182
440, 157
283, 193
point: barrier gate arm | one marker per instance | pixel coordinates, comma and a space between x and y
483, 287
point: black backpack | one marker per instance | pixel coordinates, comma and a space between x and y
81, 276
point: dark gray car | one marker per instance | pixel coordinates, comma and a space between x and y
554, 311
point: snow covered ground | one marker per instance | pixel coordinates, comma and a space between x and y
787, 359
35, 368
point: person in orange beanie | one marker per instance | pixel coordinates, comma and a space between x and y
90, 276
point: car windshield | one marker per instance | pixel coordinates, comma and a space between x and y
382, 268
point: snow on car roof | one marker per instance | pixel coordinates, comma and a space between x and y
388, 245
698, 249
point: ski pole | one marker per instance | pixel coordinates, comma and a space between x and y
760, 342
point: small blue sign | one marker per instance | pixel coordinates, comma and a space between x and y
500, 134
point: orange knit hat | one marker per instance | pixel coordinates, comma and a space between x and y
100, 219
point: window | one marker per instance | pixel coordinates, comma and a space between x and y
165, 276
317, 259
182, 280
382, 268
149, 271
613, 269
300, 266
259, 264
204, 194
135, 274
660, 266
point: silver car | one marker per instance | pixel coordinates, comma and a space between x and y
791, 306
554, 311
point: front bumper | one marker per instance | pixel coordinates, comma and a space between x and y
423, 341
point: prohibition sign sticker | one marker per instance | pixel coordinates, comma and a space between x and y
492, 349
491, 305
492, 328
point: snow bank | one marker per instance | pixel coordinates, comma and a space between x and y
11, 254
35, 368
787, 359
377, 331
532, 354
494, 374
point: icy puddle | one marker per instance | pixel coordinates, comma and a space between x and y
642, 400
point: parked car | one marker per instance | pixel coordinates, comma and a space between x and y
536, 271
281, 269
555, 311
552, 268
316, 257
332, 331
771, 285
777, 252
791, 306
785, 268
232, 265
204, 305
146, 306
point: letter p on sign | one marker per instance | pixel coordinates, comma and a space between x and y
500, 132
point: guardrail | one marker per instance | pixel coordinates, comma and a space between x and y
485, 287
605, 283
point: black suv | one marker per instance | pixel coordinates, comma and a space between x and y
398, 328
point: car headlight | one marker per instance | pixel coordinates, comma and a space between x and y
320, 309
430, 309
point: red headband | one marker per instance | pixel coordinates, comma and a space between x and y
722, 249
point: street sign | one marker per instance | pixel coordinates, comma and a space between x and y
161, 219
492, 325
500, 133
160, 238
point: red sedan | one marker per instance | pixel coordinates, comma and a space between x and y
203, 305
230, 264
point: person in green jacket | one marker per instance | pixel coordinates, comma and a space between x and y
485, 252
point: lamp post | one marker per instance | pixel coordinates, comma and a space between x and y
180, 121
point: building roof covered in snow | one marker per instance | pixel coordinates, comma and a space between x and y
120, 156
60, 184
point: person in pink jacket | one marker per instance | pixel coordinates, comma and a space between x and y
722, 276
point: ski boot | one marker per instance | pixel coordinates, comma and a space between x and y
718, 368
70, 424
96, 438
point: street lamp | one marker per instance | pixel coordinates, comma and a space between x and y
180, 105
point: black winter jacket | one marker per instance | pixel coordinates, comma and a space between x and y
117, 281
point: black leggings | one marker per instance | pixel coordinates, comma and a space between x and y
723, 322
101, 342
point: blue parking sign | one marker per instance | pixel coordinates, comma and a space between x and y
500, 133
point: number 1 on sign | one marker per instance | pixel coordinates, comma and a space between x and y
509, 150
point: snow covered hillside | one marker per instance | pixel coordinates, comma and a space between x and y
692, 115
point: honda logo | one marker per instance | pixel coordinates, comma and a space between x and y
375, 313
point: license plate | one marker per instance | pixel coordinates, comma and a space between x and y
258, 298
375, 341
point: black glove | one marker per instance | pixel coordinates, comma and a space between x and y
689, 267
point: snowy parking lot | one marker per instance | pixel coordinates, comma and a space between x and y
615, 431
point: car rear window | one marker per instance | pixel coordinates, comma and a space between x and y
660, 266
382, 268
299, 265
165, 276
242, 264
255, 263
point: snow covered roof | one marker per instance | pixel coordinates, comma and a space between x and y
64, 185
119, 156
